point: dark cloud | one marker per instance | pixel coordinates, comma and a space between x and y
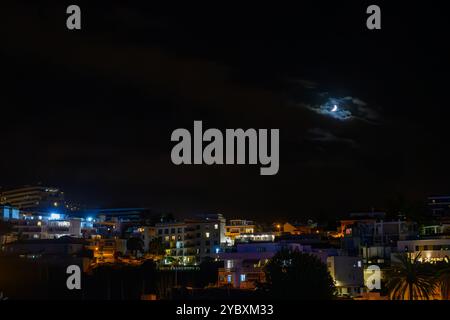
320, 135
92, 111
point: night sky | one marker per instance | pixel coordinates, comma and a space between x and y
92, 111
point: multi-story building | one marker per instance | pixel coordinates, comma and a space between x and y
348, 274
34, 198
175, 238
442, 228
99, 227
41, 227
255, 237
192, 240
238, 227
431, 250
8, 212
439, 206
106, 250
244, 263
362, 234
146, 233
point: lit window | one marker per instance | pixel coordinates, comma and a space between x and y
229, 278
207, 234
167, 238
242, 277
216, 226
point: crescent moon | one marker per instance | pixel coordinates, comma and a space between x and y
334, 108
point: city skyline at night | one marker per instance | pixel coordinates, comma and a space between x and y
218, 159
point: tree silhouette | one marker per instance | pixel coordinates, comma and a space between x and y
5, 227
443, 279
156, 247
134, 245
296, 275
410, 279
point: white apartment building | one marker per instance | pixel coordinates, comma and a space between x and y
37, 227
192, 240
348, 275
431, 250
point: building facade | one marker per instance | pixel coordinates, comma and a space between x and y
238, 227
193, 240
8, 212
348, 275
243, 264
430, 250
34, 198
439, 206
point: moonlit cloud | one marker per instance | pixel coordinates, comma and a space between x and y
343, 109
334, 108
325, 103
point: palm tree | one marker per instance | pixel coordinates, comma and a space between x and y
410, 279
443, 280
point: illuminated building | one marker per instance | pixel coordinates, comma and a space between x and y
34, 198
255, 237
244, 263
175, 240
443, 228
106, 250
431, 250
192, 240
206, 234
363, 232
146, 233
439, 206
348, 274
236, 228
30, 227
8, 212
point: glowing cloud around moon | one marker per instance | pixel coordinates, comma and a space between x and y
335, 108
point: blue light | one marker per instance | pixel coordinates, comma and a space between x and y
89, 219
217, 250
